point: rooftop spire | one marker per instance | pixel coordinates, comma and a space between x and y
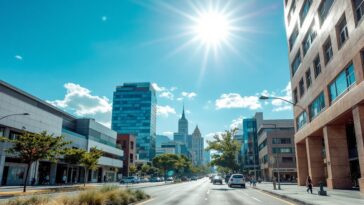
183, 111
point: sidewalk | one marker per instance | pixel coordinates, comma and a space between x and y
299, 194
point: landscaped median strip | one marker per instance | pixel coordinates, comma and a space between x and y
106, 195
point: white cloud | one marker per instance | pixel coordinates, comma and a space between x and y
188, 95
18, 57
210, 136
280, 105
234, 100
165, 110
180, 98
158, 88
168, 134
79, 101
104, 18
236, 123
167, 94
207, 105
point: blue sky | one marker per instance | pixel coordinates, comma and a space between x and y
74, 53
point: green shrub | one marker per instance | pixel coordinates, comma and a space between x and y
92, 197
108, 188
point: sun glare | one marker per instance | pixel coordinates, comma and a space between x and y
212, 28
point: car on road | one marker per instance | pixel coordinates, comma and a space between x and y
169, 179
131, 179
217, 180
237, 180
143, 180
194, 178
155, 179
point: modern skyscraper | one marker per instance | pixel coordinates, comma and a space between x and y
134, 112
326, 54
249, 148
182, 134
197, 147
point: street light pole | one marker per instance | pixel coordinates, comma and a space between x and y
14, 115
279, 177
263, 97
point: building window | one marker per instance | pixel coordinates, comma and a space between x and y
287, 159
308, 40
328, 50
295, 96
131, 158
317, 66
296, 63
293, 37
324, 9
2, 132
359, 9
131, 145
291, 11
317, 106
342, 82
283, 150
342, 31
301, 120
308, 78
302, 87
262, 145
305, 8
281, 141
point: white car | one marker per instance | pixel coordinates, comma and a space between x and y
237, 180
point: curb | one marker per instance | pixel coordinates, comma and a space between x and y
285, 197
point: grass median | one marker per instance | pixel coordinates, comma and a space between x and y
106, 195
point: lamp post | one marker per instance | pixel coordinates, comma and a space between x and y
264, 97
14, 115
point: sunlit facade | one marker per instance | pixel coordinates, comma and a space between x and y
326, 52
134, 112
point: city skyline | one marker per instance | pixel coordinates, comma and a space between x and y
88, 55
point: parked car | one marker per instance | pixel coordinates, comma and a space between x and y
169, 179
143, 180
194, 178
237, 180
131, 179
155, 179
217, 180
184, 179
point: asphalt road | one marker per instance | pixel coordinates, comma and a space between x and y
202, 192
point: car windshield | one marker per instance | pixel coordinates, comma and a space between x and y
238, 176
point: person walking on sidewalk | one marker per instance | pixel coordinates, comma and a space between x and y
309, 184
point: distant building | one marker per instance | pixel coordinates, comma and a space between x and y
276, 148
249, 149
206, 157
134, 112
182, 134
161, 139
197, 147
172, 148
128, 144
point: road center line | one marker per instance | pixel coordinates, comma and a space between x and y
256, 199
282, 200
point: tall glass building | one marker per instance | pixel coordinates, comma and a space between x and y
249, 148
134, 112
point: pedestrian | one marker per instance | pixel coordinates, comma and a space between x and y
47, 179
274, 183
64, 179
254, 182
309, 184
250, 181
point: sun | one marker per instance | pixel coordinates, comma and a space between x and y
212, 28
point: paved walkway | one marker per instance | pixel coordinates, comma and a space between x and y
298, 193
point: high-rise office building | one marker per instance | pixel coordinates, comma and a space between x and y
326, 54
134, 112
249, 148
197, 147
182, 134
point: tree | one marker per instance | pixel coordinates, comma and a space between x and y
33, 147
89, 161
166, 162
227, 150
145, 169
132, 169
73, 156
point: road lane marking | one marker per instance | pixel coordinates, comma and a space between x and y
282, 200
256, 199
144, 202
